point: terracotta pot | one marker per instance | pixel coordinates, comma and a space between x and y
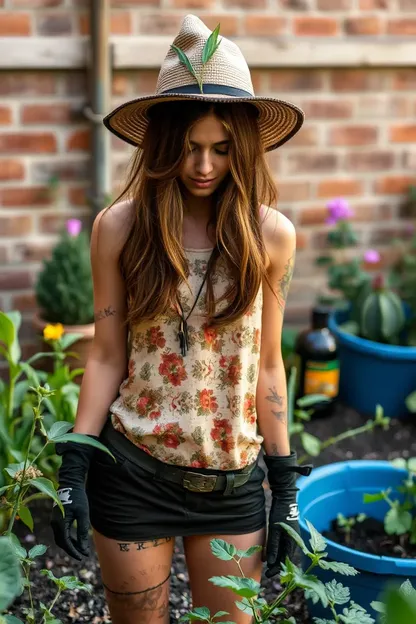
81, 347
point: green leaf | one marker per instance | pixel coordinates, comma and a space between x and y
400, 609
185, 61
18, 549
10, 580
10, 619
46, 486
83, 439
26, 516
317, 541
407, 589
337, 593
59, 429
67, 340
50, 576
373, 498
12, 469
7, 330
312, 399
246, 587
338, 567
296, 537
249, 552
223, 550
397, 521
72, 582
355, 615
220, 614
411, 464
321, 621
311, 444
37, 551
202, 613
379, 607
211, 45
411, 402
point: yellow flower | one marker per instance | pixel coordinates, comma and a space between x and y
53, 332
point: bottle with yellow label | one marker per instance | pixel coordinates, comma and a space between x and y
317, 359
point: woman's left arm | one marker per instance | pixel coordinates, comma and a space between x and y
271, 394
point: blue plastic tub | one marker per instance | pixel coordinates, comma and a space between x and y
339, 488
371, 372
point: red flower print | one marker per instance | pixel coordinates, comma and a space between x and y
210, 334
221, 434
256, 340
142, 404
231, 370
155, 338
147, 404
170, 435
207, 402
249, 408
172, 369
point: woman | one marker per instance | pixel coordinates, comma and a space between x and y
191, 272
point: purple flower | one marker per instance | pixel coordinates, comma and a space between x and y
73, 227
372, 256
339, 210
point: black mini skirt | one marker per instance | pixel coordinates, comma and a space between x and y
129, 503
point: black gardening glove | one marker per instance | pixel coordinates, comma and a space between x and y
76, 458
282, 475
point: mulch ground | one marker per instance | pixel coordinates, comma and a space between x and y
78, 607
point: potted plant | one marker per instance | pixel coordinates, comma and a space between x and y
64, 291
386, 494
372, 322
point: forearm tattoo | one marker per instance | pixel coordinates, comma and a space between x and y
126, 546
284, 282
279, 400
102, 314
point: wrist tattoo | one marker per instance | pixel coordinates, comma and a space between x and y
274, 450
102, 314
125, 546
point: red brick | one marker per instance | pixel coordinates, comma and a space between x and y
385, 235
11, 170
33, 252
409, 160
160, 23
334, 5
27, 84
315, 26
307, 136
302, 240
384, 105
307, 162
28, 143
55, 223
313, 215
79, 141
75, 83
54, 24
328, 109
5, 115
407, 5
193, 4
120, 84
296, 80
135, 3
15, 280
146, 82
25, 196
120, 23
371, 5
364, 25
15, 226
4, 258
356, 80
229, 23
264, 25
77, 196
64, 170
404, 79
403, 133
25, 302
405, 26
353, 135
293, 191
338, 188
56, 113
393, 185
375, 160
15, 24
36, 4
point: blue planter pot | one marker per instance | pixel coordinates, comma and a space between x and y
371, 372
339, 488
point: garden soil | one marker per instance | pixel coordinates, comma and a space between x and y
80, 607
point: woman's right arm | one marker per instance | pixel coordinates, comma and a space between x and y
107, 362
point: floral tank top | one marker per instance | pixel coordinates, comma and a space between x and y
198, 410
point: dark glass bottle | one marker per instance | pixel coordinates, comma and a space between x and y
317, 360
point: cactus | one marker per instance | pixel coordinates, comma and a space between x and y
64, 289
381, 316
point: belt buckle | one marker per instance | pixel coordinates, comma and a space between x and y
196, 482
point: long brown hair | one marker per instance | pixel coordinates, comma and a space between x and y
153, 262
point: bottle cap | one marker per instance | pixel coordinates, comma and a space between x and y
320, 316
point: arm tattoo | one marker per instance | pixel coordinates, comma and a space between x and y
284, 282
102, 314
274, 450
278, 399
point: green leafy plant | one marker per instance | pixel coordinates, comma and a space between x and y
64, 289
211, 46
331, 595
398, 605
26, 482
347, 524
400, 518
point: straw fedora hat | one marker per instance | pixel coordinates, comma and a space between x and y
226, 78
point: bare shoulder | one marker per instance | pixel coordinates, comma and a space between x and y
279, 236
111, 228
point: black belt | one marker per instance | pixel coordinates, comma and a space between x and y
193, 481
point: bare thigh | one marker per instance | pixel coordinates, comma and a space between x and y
202, 565
136, 579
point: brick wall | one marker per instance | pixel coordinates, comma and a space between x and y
359, 140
